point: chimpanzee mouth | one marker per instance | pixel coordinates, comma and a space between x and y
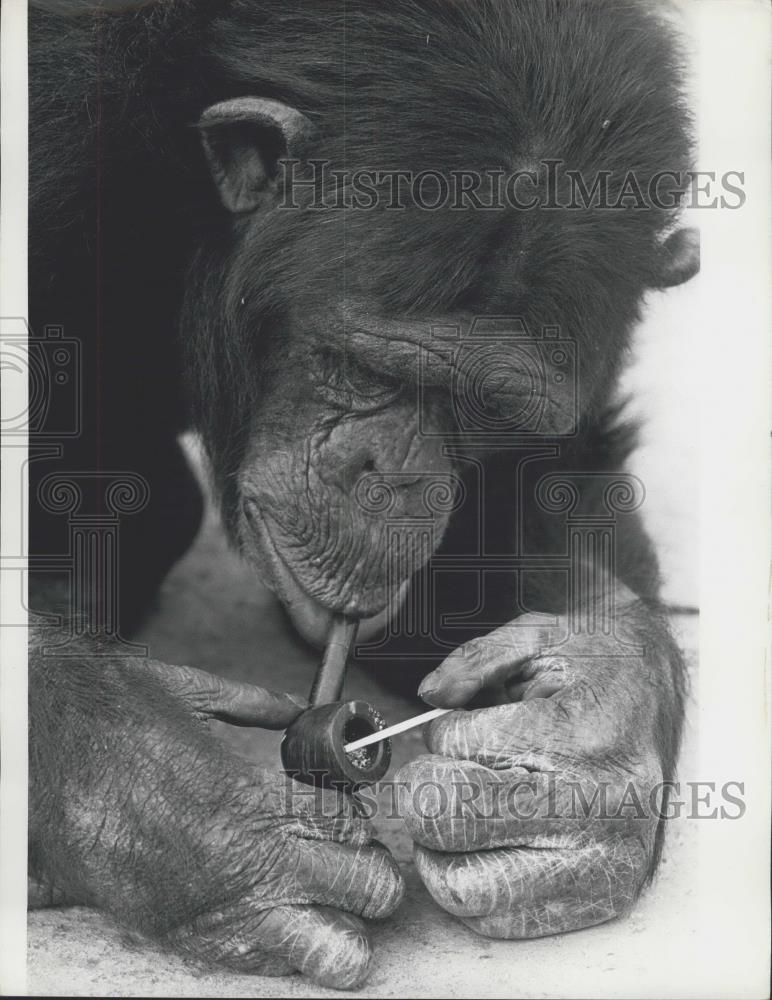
311, 618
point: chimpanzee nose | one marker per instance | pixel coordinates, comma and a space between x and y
386, 451
344, 470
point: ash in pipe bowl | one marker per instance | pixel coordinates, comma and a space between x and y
312, 750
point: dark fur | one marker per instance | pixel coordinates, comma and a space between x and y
125, 225
506, 85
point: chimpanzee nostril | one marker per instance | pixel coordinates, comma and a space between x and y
360, 468
342, 470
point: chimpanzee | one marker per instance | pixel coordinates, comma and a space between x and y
302, 229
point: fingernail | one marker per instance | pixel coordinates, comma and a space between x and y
434, 696
452, 694
297, 700
426, 688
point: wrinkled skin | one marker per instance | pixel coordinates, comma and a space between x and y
156, 193
242, 866
333, 445
552, 799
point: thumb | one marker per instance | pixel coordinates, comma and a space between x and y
489, 660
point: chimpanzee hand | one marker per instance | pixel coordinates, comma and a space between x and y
540, 815
146, 815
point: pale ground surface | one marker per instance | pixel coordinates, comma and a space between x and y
213, 615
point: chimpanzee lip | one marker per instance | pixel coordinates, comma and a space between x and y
310, 617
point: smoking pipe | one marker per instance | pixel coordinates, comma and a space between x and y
314, 746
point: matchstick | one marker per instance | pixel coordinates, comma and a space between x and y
399, 727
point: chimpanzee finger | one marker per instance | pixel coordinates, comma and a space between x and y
501, 736
361, 880
229, 701
565, 717
492, 659
539, 678
310, 813
513, 893
329, 947
458, 805
322, 941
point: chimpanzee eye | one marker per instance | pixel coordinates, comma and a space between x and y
352, 386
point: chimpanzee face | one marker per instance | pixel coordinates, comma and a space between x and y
342, 349
337, 474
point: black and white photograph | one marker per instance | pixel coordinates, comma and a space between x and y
385, 498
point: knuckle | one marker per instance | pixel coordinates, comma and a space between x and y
467, 809
423, 818
425, 768
455, 735
424, 798
487, 736
317, 814
386, 887
467, 651
442, 736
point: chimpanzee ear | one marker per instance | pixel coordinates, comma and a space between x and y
680, 258
243, 140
